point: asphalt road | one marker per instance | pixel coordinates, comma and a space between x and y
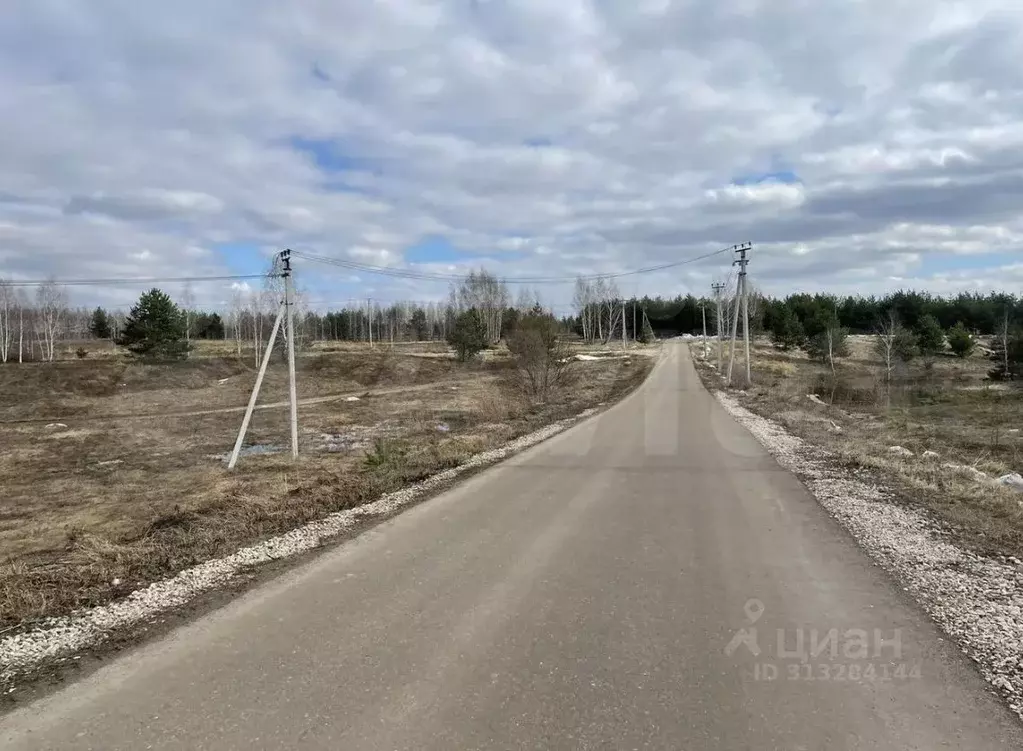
584, 595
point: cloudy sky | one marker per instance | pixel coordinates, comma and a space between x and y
861, 146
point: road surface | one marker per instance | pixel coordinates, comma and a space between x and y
599, 591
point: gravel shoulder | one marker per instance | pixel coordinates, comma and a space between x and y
36, 659
975, 599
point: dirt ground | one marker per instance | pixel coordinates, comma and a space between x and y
114, 473
942, 405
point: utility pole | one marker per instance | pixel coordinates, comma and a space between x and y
703, 310
740, 299
255, 389
717, 287
289, 303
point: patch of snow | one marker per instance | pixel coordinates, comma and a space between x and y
816, 400
351, 399
110, 462
900, 451
1012, 480
222, 381
835, 427
931, 455
977, 600
54, 425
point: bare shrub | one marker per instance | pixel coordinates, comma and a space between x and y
538, 346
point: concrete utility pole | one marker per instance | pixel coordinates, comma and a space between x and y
740, 299
717, 287
255, 389
289, 303
703, 310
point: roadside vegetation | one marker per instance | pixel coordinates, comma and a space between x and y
938, 411
113, 463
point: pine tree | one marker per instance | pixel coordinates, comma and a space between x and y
469, 335
787, 331
930, 339
99, 324
154, 328
960, 341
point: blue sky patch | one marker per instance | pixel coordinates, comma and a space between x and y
329, 155
780, 176
434, 249
243, 257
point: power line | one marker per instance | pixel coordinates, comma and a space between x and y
434, 276
138, 280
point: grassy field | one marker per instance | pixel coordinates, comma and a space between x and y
114, 471
942, 405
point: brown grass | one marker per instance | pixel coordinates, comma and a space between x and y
107, 499
947, 407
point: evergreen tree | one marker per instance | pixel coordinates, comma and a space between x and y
1007, 354
930, 339
418, 324
469, 335
99, 324
787, 331
960, 341
154, 328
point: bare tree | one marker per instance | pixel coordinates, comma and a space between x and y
887, 332
484, 292
1003, 335
237, 306
188, 305
51, 299
7, 304
583, 300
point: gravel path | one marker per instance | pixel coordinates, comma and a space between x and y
61, 638
976, 600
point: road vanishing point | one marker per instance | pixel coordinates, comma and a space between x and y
649, 579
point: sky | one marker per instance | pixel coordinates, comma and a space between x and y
860, 146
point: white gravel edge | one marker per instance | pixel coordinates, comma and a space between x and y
978, 601
60, 638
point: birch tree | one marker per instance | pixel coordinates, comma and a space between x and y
7, 305
51, 301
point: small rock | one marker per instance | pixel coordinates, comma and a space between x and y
900, 451
1012, 480
116, 583
930, 455
56, 425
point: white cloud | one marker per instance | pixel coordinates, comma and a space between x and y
586, 137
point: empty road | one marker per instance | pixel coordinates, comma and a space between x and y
643, 581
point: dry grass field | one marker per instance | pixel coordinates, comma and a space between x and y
943, 405
114, 474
